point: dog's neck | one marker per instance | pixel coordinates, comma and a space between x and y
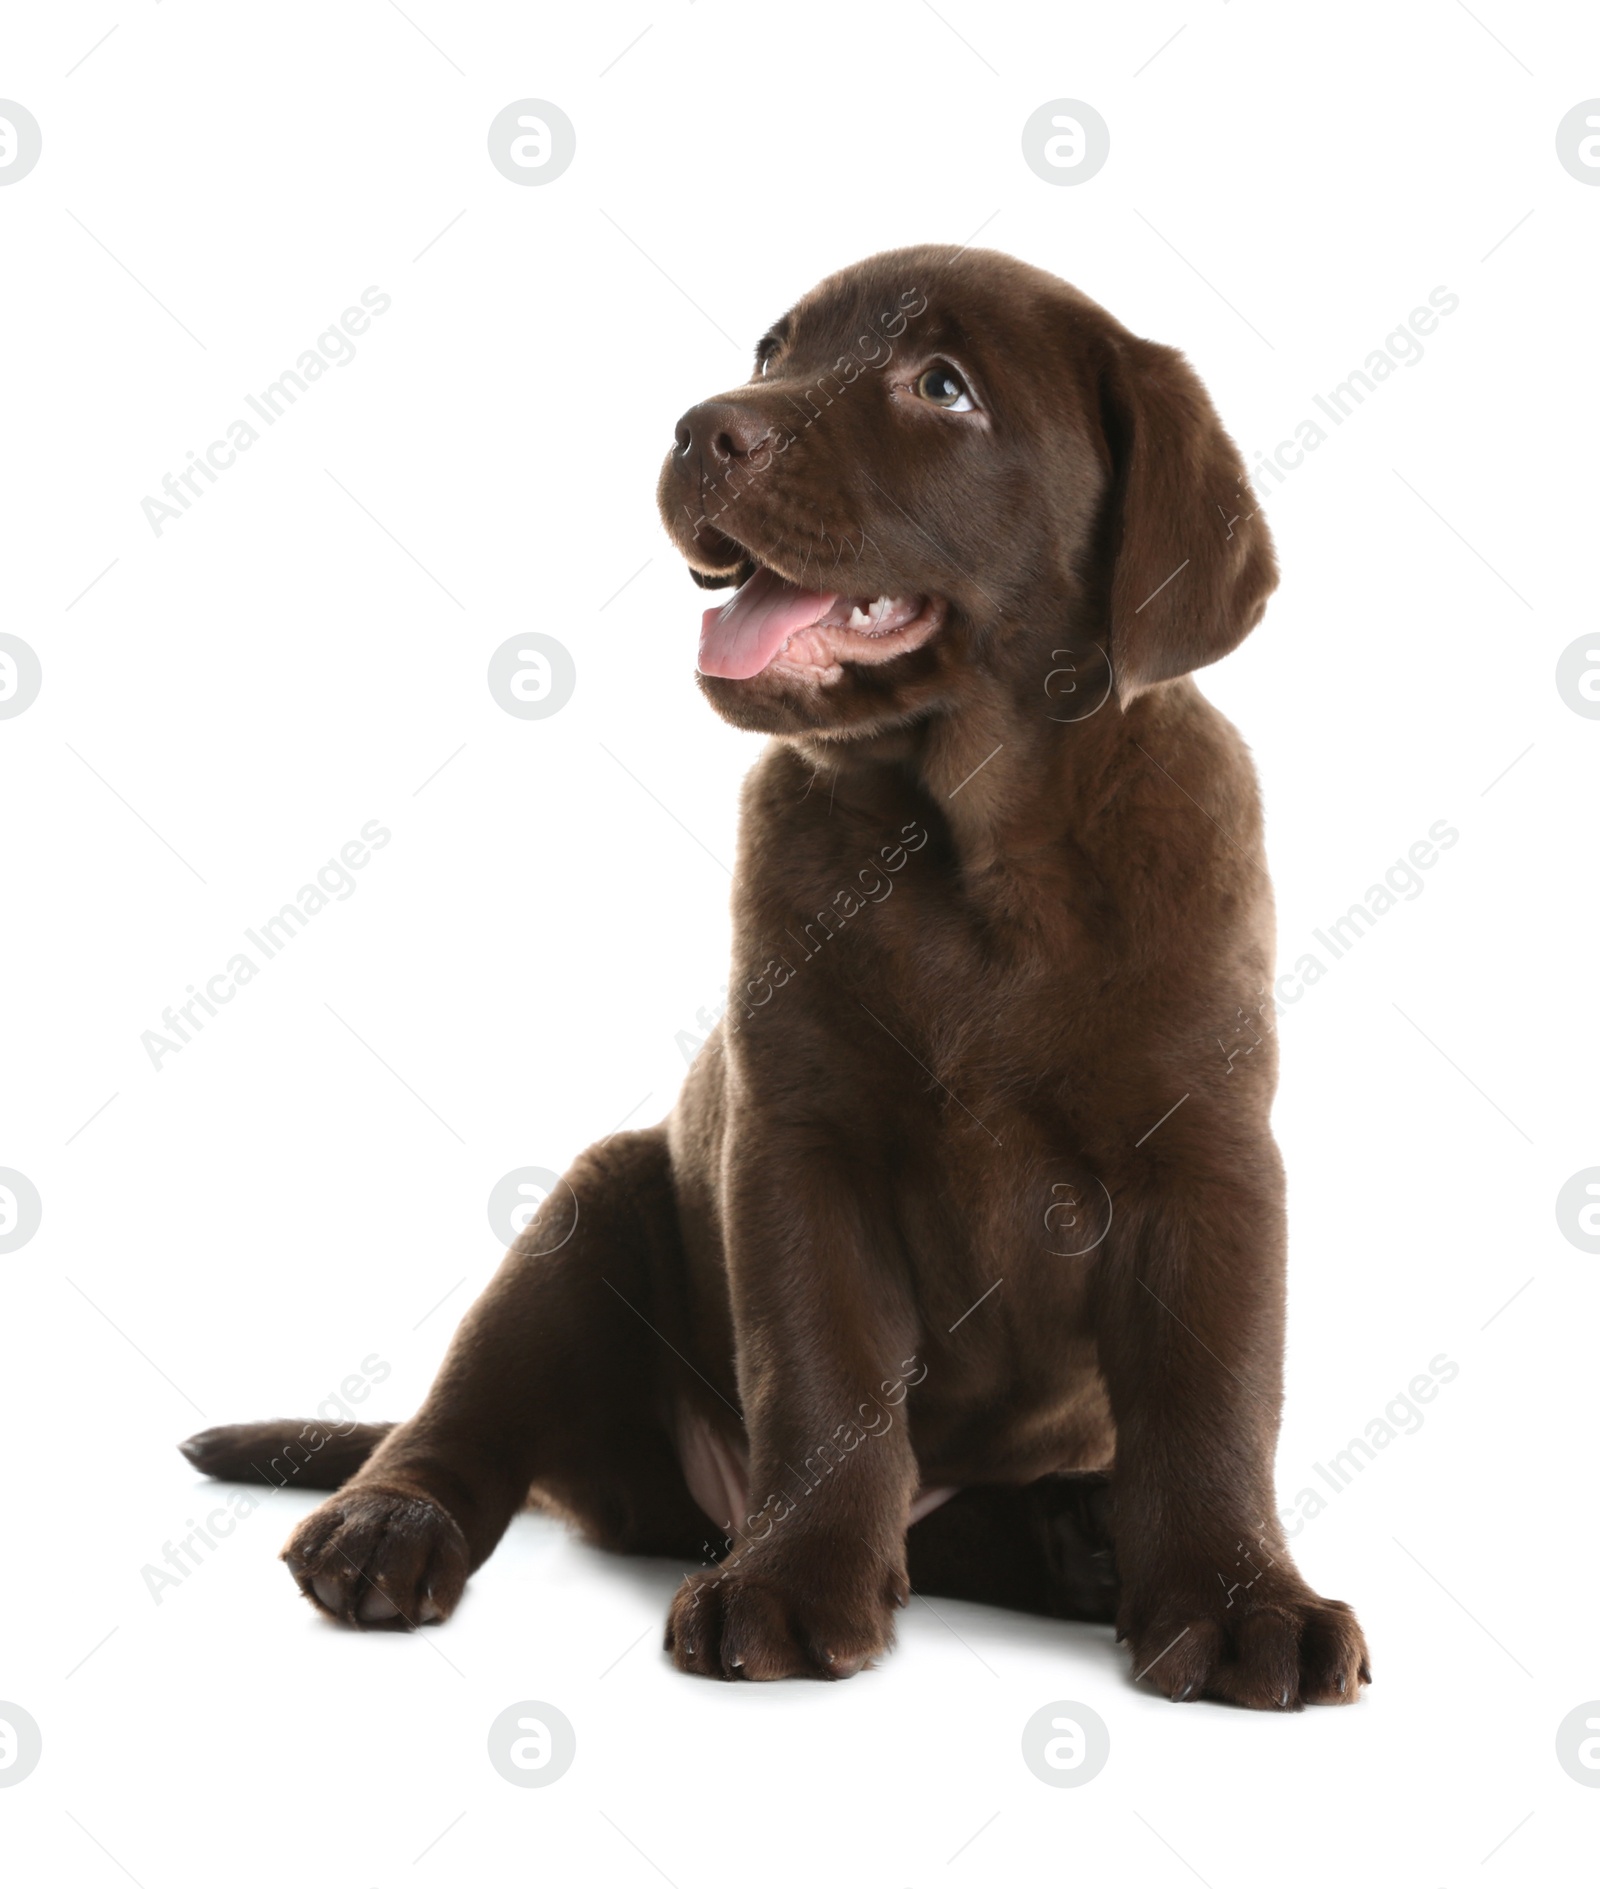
1006, 786
1013, 770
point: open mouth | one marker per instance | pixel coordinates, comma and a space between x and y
769, 623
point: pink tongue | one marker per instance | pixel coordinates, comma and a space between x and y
741, 638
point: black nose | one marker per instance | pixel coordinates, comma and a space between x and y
722, 431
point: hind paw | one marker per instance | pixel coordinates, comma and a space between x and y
379, 1558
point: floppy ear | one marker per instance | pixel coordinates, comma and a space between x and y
1193, 563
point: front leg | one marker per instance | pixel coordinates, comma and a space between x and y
817, 1563
1191, 1336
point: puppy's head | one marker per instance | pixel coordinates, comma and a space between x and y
946, 459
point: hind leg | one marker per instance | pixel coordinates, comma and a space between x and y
1040, 1548
555, 1379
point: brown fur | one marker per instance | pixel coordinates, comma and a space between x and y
912, 1223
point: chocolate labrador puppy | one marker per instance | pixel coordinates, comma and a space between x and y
959, 1264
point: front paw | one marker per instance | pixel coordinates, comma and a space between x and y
376, 1557
1276, 1646
812, 1611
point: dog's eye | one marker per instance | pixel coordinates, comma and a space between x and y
945, 389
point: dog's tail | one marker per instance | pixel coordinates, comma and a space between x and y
285, 1453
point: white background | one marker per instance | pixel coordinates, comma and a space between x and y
305, 1184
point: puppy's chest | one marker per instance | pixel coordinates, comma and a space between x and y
1001, 1242
992, 978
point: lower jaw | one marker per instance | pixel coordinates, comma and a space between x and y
822, 663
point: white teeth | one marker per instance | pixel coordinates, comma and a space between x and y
872, 616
